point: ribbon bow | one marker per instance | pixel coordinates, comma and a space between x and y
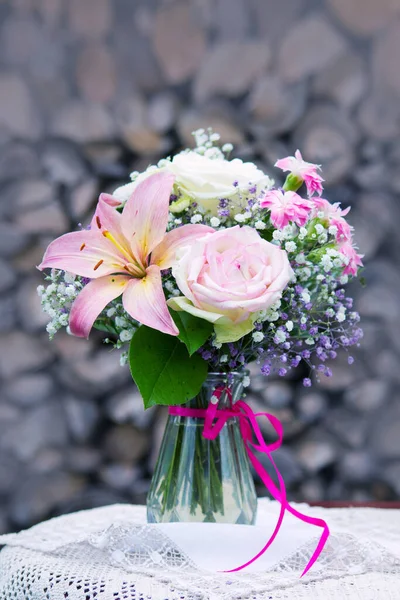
214, 420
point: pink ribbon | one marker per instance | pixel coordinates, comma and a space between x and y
214, 420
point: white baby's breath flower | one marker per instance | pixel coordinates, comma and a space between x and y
215, 222
319, 228
302, 233
246, 381
126, 335
289, 325
280, 336
305, 296
309, 341
196, 218
260, 225
227, 148
240, 218
69, 277
224, 358
216, 344
277, 235
344, 279
290, 247
258, 336
111, 312
121, 322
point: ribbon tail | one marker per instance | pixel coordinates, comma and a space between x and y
322, 541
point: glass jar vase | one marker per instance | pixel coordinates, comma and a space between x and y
197, 479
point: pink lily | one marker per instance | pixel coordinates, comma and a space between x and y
285, 207
306, 171
123, 253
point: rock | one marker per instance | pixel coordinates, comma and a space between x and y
311, 406
162, 112
28, 390
277, 394
312, 490
372, 176
26, 261
384, 437
344, 375
373, 221
385, 64
38, 428
273, 18
95, 373
144, 141
31, 315
391, 473
230, 68
8, 313
216, 118
12, 240
7, 276
70, 348
344, 81
20, 353
20, 196
348, 427
298, 58
119, 477
84, 198
232, 19
49, 219
51, 12
39, 496
357, 467
82, 459
17, 160
82, 417
90, 18
63, 162
21, 39
144, 74
132, 124
327, 136
379, 112
316, 451
368, 395
127, 407
47, 460
364, 17
83, 122
125, 444
276, 106
175, 29
18, 113
96, 73
10, 473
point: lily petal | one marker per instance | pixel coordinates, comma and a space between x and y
144, 300
164, 254
85, 253
145, 215
93, 298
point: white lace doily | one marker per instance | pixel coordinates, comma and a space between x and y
112, 554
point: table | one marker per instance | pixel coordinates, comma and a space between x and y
112, 554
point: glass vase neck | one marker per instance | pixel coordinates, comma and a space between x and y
220, 381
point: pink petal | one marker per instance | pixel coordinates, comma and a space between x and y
93, 298
108, 220
85, 253
144, 300
145, 215
164, 254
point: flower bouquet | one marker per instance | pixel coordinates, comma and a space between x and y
196, 268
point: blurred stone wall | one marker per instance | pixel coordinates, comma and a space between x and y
92, 89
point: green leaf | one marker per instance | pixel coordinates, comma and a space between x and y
192, 331
162, 368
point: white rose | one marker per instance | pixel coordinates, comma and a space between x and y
207, 180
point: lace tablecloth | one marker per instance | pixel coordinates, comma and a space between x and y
112, 554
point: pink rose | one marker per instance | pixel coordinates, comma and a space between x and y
228, 277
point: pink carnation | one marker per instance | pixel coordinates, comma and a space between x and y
335, 216
306, 171
285, 207
353, 259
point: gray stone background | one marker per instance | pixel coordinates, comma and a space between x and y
92, 89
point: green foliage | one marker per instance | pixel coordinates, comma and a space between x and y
162, 368
193, 332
